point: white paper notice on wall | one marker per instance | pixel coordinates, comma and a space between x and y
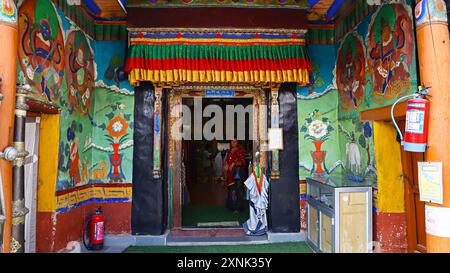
275, 139
430, 182
437, 221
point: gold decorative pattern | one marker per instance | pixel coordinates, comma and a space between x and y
77, 197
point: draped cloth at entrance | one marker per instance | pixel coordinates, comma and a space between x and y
259, 202
218, 57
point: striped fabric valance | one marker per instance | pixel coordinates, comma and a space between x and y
218, 57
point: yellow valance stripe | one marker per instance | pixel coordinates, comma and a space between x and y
300, 76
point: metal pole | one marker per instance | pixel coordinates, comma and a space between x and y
19, 210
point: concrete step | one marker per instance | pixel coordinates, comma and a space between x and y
222, 240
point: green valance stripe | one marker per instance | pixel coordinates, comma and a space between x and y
219, 52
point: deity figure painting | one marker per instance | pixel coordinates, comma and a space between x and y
350, 73
390, 52
74, 156
41, 49
79, 72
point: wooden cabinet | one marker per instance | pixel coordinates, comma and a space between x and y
339, 215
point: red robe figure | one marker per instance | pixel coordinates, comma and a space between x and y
235, 167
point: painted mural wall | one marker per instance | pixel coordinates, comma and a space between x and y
376, 65
370, 67
318, 105
85, 80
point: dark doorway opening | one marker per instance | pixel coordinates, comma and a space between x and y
204, 183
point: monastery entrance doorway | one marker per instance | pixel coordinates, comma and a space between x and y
202, 193
205, 183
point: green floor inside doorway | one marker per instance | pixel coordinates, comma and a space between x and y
194, 214
292, 247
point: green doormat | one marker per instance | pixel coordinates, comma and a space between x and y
219, 224
292, 247
192, 215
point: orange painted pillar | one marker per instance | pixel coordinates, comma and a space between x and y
434, 61
8, 73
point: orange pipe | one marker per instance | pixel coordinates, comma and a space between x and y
434, 60
8, 73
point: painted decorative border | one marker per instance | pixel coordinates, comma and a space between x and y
430, 12
8, 12
215, 30
105, 193
291, 4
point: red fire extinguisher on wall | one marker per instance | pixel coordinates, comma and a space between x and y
416, 124
94, 228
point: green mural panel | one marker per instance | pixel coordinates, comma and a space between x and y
356, 142
112, 142
319, 148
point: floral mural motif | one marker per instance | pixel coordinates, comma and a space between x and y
41, 49
317, 128
389, 52
350, 73
117, 135
79, 72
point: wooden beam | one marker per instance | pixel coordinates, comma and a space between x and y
383, 113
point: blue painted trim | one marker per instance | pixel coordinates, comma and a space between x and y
212, 35
302, 196
312, 3
101, 200
92, 6
334, 8
414, 147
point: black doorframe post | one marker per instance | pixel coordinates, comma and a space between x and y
284, 210
147, 212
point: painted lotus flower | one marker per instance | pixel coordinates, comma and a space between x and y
117, 127
317, 129
317, 126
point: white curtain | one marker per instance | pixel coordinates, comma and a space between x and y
31, 171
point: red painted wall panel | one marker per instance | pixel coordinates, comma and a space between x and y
54, 234
389, 231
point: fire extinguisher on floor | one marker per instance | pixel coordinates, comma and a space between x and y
416, 125
94, 227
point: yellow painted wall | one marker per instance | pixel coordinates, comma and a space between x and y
48, 163
388, 158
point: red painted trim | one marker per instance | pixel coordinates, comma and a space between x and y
217, 64
212, 42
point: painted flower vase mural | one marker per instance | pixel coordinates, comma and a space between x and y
350, 73
116, 127
41, 49
317, 128
389, 52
